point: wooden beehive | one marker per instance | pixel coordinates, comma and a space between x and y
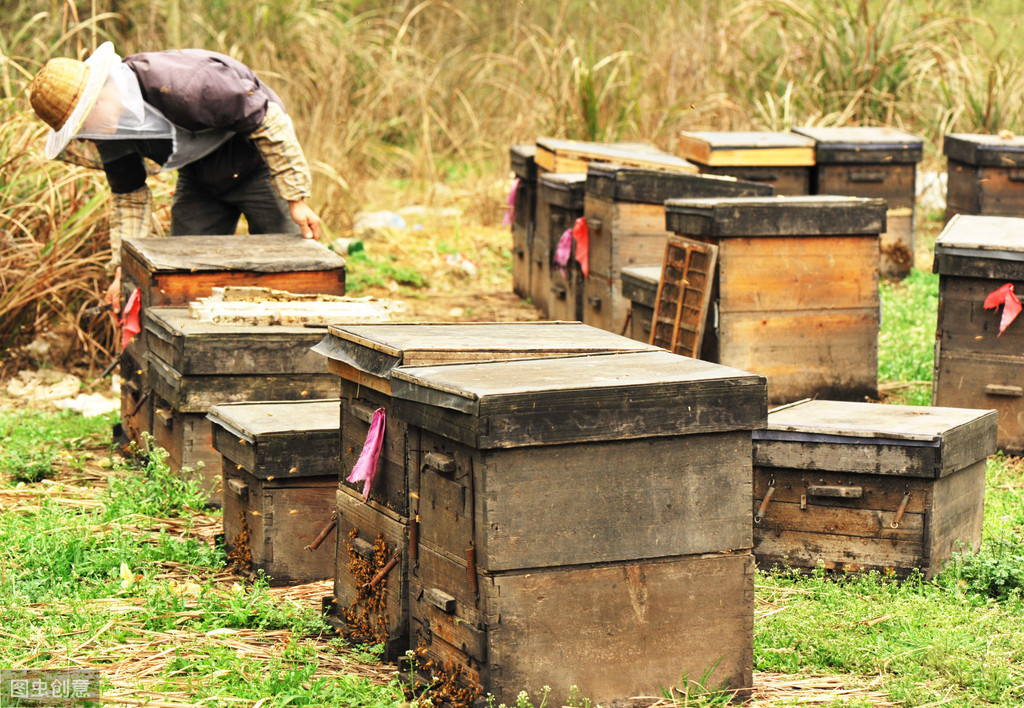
175, 271
865, 486
624, 208
796, 290
975, 366
280, 475
984, 174
783, 160
560, 497
877, 162
194, 365
523, 219
640, 288
554, 155
557, 292
364, 357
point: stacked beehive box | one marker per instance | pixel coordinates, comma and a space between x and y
374, 530
176, 271
194, 365
280, 462
875, 162
862, 486
783, 160
524, 206
640, 288
976, 365
985, 175
624, 209
795, 293
583, 521
557, 289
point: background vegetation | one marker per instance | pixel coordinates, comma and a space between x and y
400, 102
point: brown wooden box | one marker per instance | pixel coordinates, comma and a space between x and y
865, 486
796, 290
640, 287
524, 215
783, 160
177, 270
625, 213
583, 472
280, 476
874, 162
975, 366
559, 204
984, 175
194, 365
554, 155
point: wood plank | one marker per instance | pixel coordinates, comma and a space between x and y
727, 148
957, 516
391, 484
263, 253
837, 552
782, 517
985, 383
965, 326
878, 491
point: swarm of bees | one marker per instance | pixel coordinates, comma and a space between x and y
449, 685
366, 617
240, 555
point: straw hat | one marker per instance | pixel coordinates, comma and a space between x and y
65, 90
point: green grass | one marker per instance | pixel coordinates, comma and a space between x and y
906, 339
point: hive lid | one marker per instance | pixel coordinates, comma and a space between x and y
263, 253
578, 398
646, 186
813, 215
960, 435
282, 439
642, 276
984, 150
565, 189
556, 155
377, 349
521, 158
747, 149
863, 144
980, 247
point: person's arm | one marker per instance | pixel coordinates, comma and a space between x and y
276, 140
130, 218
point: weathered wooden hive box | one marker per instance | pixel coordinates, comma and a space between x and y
584, 508
554, 155
556, 291
280, 461
624, 208
783, 160
524, 207
985, 174
194, 365
364, 357
640, 288
177, 270
865, 486
975, 366
795, 294
877, 162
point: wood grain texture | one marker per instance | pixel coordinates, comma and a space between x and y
283, 517
784, 179
965, 326
623, 234
391, 484
986, 190
984, 382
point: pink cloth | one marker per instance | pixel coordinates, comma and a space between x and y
130, 318
510, 212
564, 250
365, 468
1011, 305
582, 237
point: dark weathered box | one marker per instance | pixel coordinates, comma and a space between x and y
177, 270
975, 366
640, 288
796, 290
985, 174
625, 213
865, 486
524, 208
364, 357
557, 292
194, 365
876, 162
581, 482
783, 160
136, 398
280, 475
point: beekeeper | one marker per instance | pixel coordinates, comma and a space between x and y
201, 113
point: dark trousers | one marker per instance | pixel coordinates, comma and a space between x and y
197, 212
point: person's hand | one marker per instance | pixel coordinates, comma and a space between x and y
306, 218
113, 295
